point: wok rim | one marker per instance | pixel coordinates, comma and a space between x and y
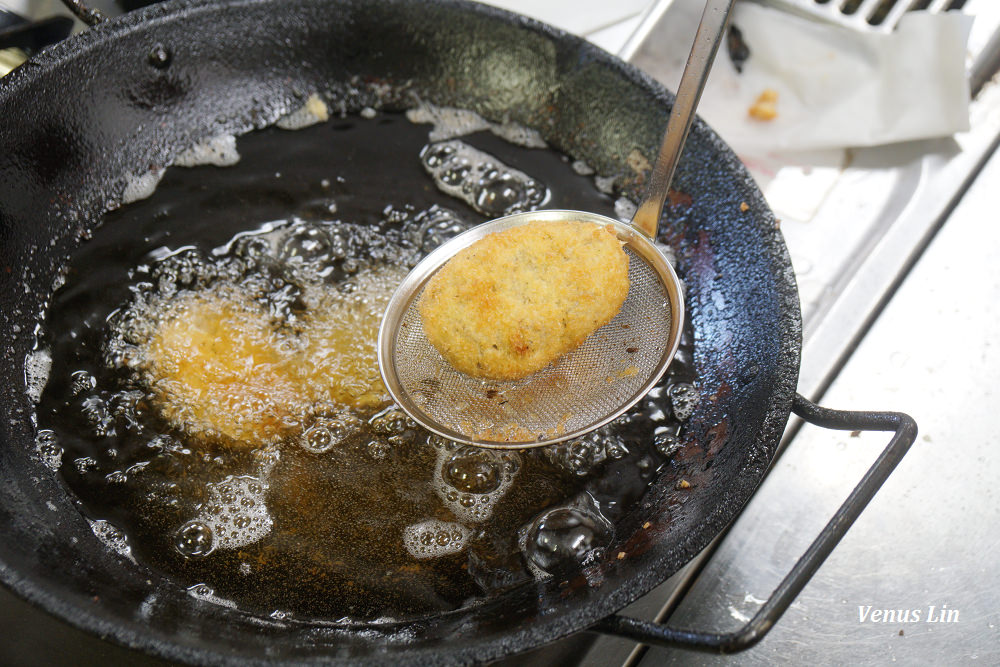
730, 502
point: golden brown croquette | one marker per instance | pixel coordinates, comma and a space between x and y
514, 301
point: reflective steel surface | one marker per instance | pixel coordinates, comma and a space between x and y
896, 254
924, 552
895, 225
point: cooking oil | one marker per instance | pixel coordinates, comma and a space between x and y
214, 399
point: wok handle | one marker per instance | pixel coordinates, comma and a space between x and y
905, 430
88, 15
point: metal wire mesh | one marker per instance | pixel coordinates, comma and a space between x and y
573, 395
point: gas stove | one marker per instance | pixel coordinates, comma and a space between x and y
892, 252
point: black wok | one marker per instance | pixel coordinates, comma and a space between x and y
127, 95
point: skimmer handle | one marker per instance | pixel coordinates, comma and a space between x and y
699, 63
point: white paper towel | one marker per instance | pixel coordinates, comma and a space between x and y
839, 87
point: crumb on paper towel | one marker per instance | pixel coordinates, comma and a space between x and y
766, 106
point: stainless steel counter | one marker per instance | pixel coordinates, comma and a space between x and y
928, 542
899, 284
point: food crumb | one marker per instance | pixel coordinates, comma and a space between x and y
646, 525
744, 207
317, 107
631, 350
621, 555
766, 106
313, 111
855, 434
629, 372
683, 484
503, 276
900, 633
638, 162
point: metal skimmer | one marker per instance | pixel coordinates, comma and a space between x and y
584, 389
614, 367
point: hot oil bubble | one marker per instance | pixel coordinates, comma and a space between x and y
586, 455
112, 537
391, 421
207, 593
194, 539
429, 229
433, 538
318, 439
667, 444
85, 464
328, 432
201, 590
436, 155
480, 180
252, 247
81, 382
395, 215
95, 411
378, 449
455, 175
566, 536
185, 269
265, 459
48, 448
236, 511
497, 195
684, 398
472, 480
306, 243
473, 470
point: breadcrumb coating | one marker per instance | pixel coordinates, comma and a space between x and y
220, 367
216, 365
517, 300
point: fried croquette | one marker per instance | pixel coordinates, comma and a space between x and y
517, 300
338, 338
219, 366
216, 368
